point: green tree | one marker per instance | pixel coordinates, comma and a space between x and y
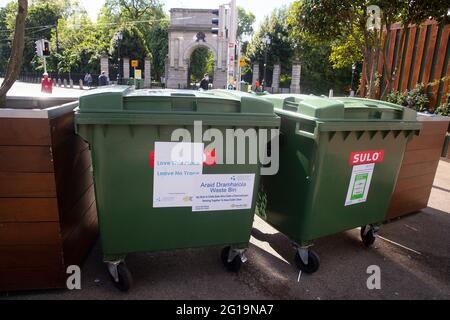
133, 45
134, 10
245, 23
344, 25
145, 28
158, 41
202, 61
280, 48
5, 40
15, 59
80, 45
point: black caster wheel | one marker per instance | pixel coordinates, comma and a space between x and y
235, 264
313, 262
125, 279
367, 237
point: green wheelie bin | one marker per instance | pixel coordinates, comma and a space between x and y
339, 162
158, 183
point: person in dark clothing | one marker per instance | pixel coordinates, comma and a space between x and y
204, 84
103, 79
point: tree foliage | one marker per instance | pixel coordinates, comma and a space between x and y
202, 61
280, 47
343, 24
17, 47
246, 20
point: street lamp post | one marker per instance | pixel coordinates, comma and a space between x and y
266, 41
351, 85
118, 37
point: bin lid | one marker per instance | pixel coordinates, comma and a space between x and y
122, 104
339, 109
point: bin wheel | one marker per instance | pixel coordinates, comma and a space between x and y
368, 238
313, 262
235, 264
125, 279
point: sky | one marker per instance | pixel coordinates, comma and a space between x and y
260, 8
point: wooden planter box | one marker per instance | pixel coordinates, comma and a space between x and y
48, 217
419, 167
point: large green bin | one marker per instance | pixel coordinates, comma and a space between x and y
123, 127
339, 162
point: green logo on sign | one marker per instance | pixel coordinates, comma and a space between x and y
359, 186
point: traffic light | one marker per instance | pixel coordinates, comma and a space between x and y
39, 49
46, 49
215, 21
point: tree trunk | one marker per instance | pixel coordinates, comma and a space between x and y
15, 59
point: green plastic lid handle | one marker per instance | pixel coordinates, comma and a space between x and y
407, 114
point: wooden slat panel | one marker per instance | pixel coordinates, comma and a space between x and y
405, 195
408, 205
418, 156
72, 217
26, 159
430, 53
363, 82
391, 49
62, 129
72, 191
33, 278
80, 240
439, 65
27, 185
400, 57
418, 169
419, 56
446, 87
30, 256
434, 127
428, 141
408, 58
12, 234
403, 199
425, 181
70, 165
380, 68
24, 132
28, 210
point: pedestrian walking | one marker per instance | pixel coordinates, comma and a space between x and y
103, 79
204, 84
46, 84
89, 80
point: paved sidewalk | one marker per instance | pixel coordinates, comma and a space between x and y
414, 257
21, 89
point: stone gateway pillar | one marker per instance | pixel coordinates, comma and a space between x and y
255, 75
147, 73
296, 74
276, 78
104, 63
126, 68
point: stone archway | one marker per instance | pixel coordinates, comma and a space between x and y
190, 29
190, 51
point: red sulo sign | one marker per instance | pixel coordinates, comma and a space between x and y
365, 157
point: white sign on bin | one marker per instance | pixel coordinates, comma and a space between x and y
176, 165
221, 192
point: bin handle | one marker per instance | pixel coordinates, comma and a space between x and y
306, 134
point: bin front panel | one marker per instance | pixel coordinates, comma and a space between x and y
124, 191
